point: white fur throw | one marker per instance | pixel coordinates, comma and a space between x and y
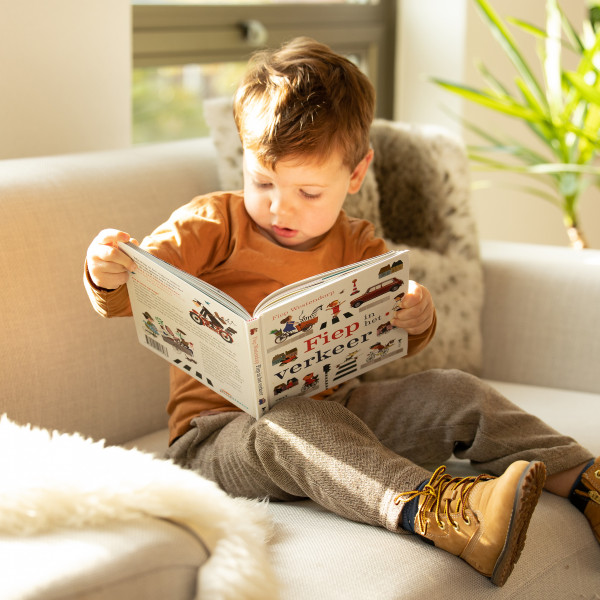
51, 480
417, 194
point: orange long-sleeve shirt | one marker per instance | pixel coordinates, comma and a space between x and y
213, 238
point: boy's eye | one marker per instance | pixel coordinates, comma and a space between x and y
262, 185
310, 196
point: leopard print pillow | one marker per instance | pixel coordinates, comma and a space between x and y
416, 193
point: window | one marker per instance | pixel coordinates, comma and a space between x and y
183, 54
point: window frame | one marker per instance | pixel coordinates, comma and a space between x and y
182, 34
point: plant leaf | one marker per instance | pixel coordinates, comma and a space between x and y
528, 27
528, 189
505, 105
552, 60
589, 93
508, 44
550, 179
525, 155
493, 83
588, 148
544, 128
517, 149
559, 168
572, 42
572, 36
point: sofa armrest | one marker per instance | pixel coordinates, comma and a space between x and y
541, 315
61, 365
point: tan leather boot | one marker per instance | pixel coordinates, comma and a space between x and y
482, 519
586, 496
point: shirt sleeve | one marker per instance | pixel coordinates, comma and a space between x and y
107, 303
196, 238
193, 239
361, 241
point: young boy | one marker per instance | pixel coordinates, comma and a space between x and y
304, 114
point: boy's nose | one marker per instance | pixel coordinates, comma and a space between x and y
280, 205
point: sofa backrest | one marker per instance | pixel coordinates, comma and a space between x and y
70, 369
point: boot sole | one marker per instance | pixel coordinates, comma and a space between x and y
528, 493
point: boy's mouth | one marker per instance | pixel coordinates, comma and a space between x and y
284, 232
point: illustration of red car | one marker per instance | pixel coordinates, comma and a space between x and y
389, 285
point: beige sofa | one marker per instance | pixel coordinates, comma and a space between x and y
63, 367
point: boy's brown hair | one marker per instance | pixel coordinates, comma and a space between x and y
304, 100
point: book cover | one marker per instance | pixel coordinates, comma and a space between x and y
301, 340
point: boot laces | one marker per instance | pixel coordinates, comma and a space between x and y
433, 492
592, 495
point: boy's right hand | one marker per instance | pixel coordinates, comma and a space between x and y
108, 266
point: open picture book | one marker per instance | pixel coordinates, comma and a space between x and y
302, 339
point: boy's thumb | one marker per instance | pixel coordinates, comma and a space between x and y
413, 295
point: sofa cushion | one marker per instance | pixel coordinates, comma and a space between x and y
153, 559
416, 193
560, 559
149, 558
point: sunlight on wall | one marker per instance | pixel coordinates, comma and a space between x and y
69, 67
431, 40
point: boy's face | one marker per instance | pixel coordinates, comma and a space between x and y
296, 204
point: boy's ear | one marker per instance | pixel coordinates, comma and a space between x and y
359, 172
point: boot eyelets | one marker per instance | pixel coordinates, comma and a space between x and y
467, 520
597, 474
456, 527
442, 525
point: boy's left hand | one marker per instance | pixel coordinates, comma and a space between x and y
416, 314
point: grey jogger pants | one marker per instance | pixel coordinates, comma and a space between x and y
354, 452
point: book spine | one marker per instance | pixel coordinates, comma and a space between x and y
261, 402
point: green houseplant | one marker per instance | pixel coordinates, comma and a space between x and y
561, 110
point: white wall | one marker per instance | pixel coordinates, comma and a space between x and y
431, 42
65, 69
453, 38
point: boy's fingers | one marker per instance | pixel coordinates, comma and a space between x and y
108, 266
413, 296
105, 249
111, 237
100, 256
105, 266
415, 324
416, 313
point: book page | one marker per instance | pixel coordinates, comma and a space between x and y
334, 331
191, 330
283, 294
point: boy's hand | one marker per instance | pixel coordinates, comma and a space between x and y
109, 268
416, 313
